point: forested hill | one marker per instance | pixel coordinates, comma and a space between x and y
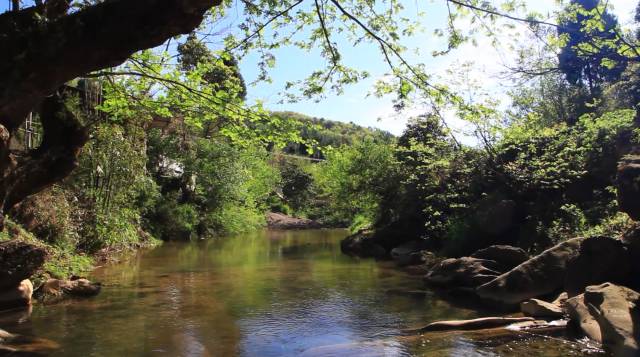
323, 133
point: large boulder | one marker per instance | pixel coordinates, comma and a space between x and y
538, 276
362, 244
615, 311
628, 183
19, 296
19, 261
600, 260
504, 254
463, 272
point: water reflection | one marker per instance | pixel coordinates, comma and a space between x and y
263, 294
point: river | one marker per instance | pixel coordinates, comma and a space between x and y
270, 293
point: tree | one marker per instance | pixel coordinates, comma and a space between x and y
194, 53
48, 44
41, 53
590, 54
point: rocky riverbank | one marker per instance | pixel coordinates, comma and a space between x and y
590, 282
19, 262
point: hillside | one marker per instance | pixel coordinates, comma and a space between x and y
332, 133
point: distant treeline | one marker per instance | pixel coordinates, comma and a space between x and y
319, 133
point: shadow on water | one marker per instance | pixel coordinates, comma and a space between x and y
272, 293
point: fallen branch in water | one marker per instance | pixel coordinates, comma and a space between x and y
474, 324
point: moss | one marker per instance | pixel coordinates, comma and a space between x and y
61, 263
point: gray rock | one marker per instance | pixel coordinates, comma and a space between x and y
600, 260
540, 308
616, 310
609, 314
504, 254
538, 276
463, 272
581, 318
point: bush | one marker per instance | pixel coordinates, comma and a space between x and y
175, 221
48, 216
356, 180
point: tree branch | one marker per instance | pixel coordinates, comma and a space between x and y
42, 54
53, 160
262, 26
384, 45
507, 16
334, 56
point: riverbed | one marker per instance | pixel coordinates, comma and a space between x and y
269, 293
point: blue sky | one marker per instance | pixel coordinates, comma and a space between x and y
354, 105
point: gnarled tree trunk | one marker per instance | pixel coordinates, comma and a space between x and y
42, 49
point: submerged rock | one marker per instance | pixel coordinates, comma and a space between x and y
463, 272
541, 275
609, 314
18, 296
408, 293
55, 289
19, 345
506, 255
538, 325
600, 260
362, 348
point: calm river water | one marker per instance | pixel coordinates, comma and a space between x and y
270, 293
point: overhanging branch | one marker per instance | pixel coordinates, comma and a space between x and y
39, 55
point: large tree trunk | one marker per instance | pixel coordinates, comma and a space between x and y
42, 49
53, 160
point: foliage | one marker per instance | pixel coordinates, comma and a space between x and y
215, 187
176, 151
435, 173
540, 183
297, 185
319, 135
63, 260
589, 55
355, 179
112, 185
